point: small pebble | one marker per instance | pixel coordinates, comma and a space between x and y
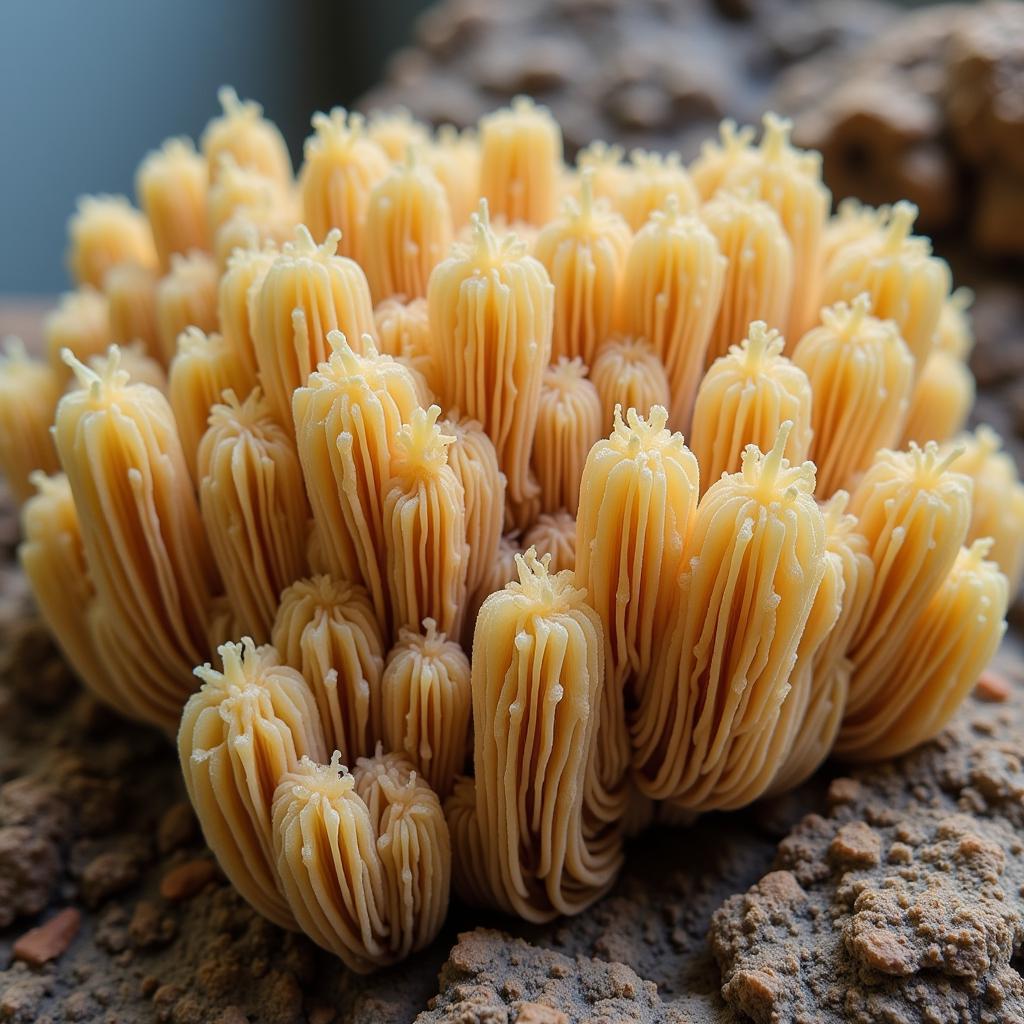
183, 882
992, 687
47, 942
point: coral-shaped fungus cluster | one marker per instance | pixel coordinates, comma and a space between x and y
392, 451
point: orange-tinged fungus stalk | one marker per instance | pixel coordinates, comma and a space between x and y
104, 232
650, 179
941, 401
744, 398
403, 331
237, 291
171, 184
131, 305
718, 157
243, 191
395, 131
81, 323
327, 629
186, 297
861, 375
341, 167
628, 374
454, 158
248, 138
239, 734
554, 534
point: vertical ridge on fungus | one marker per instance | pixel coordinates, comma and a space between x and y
240, 732
408, 230
569, 424
491, 316
253, 505
327, 630
306, 293
704, 729
861, 375
941, 401
340, 168
604, 165
914, 510
249, 139
237, 292
537, 674
744, 399
395, 131
403, 331
347, 419
719, 156
414, 848
425, 528
497, 573
789, 180
80, 323
105, 231
142, 533
171, 185
474, 462
554, 534
674, 277
454, 157
829, 667
759, 280
906, 282
584, 251
53, 560
244, 193
185, 297
29, 390
426, 698
130, 291
203, 368
627, 373
939, 659
997, 500
648, 181
520, 162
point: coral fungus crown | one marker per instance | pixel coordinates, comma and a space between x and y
421, 448
769, 475
552, 593
777, 147
304, 246
233, 107
897, 235
928, 467
335, 131
249, 416
565, 375
315, 783
104, 378
244, 665
485, 249
641, 438
761, 346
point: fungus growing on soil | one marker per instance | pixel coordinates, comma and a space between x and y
671, 653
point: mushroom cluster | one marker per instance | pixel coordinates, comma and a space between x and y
392, 451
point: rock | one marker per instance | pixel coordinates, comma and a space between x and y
47, 942
184, 881
109, 873
29, 867
177, 827
993, 687
150, 926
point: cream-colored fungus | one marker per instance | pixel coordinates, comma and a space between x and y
554, 534
629, 375
248, 138
104, 232
131, 306
81, 323
185, 297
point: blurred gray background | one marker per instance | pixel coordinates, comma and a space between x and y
87, 87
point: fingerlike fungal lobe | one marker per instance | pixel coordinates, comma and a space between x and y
327, 630
704, 735
364, 858
719, 157
584, 252
408, 230
307, 292
568, 425
941, 401
130, 291
474, 462
171, 185
524, 830
554, 535
914, 508
53, 560
203, 368
244, 193
521, 162
942, 652
248, 138
491, 315
906, 282
145, 546
396, 132
186, 297
425, 528
29, 390
674, 279
426, 699
240, 733
789, 180
759, 279
104, 232
253, 505
340, 169
861, 375
628, 374
649, 180
744, 399
997, 500
347, 420
81, 323
237, 291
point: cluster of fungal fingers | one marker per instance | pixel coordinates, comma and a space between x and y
394, 450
